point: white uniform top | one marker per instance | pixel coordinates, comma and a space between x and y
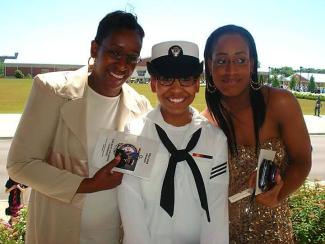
100, 208
144, 221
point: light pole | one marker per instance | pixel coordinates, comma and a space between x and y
268, 78
300, 78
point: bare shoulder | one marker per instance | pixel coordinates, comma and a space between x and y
281, 101
280, 97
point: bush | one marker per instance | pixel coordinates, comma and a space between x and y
19, 74
307, 207
15, 233
308, 95
29, 76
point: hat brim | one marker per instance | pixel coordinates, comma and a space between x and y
179, 67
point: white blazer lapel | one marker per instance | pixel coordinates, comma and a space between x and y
74, 111
74, 115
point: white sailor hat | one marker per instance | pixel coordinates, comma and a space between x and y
175, 59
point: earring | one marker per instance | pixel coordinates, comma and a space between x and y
255, 85
210, 87
91, 64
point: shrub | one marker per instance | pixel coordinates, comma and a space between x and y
308, 95
15, 233
29, 76
307, 207
19, 74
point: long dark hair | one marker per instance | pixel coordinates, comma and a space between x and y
213, 99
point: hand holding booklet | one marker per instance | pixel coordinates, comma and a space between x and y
137, 152
264, 156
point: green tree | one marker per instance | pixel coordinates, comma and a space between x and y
261, 79
311, 70
293, 82
312, 85
2, 69
285, 71
275, 81
269, 78
274, 71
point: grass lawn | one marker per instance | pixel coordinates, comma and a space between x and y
14, 92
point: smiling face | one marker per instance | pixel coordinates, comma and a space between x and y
175, 100
116, 58
231, 65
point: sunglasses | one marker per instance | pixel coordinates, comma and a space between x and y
188, 81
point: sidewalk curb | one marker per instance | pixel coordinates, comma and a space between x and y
9, 123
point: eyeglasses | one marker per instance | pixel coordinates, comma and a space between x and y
130, 58
188, 81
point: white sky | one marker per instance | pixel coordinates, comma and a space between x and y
286, 32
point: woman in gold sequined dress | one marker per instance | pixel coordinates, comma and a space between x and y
253, 117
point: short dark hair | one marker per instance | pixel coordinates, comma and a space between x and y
213, 100
116, 21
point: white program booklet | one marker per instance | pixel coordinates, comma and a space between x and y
137, 152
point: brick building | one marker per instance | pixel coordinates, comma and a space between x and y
34, 69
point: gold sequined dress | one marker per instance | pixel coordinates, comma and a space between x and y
258, 224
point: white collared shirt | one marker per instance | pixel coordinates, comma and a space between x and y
144, 221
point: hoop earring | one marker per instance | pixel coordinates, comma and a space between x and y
91, 64
255, 85
210, 88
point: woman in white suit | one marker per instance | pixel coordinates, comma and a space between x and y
72, 201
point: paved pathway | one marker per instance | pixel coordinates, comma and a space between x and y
9, 122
